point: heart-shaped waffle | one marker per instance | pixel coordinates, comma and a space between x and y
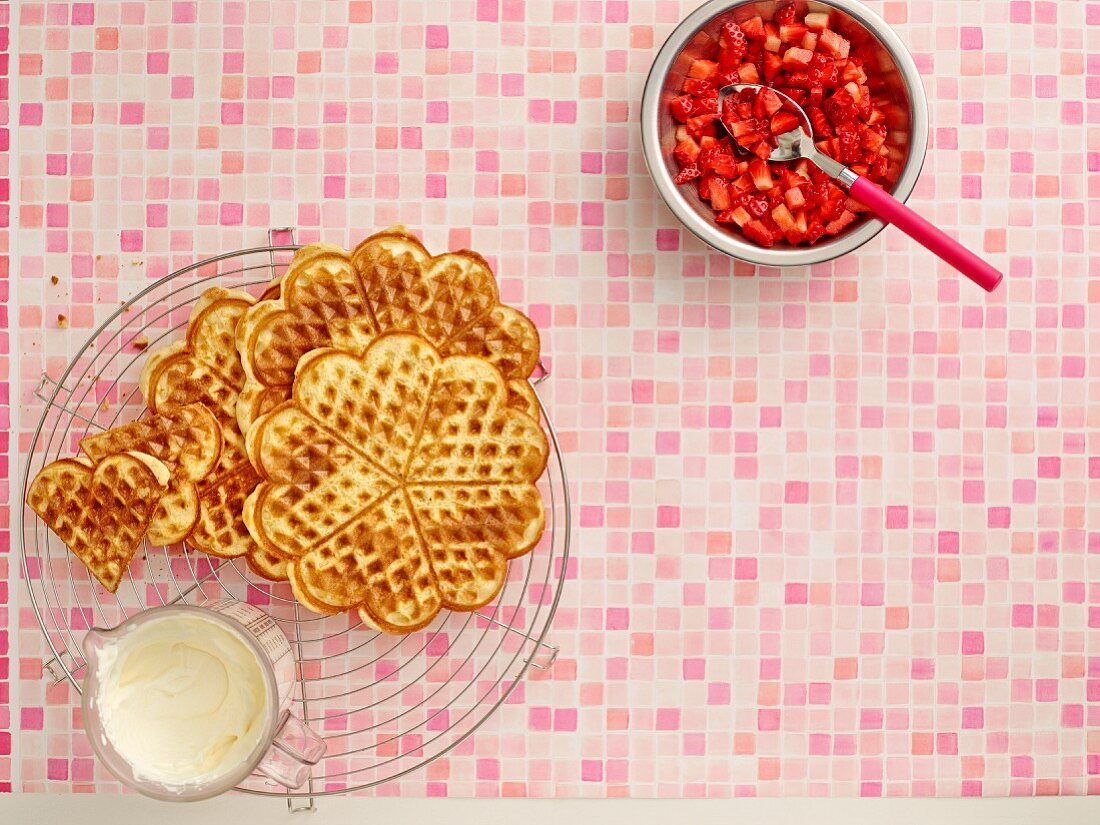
205, 368
329, 298
398, 482
100, 512
188, 441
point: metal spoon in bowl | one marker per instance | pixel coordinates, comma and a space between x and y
798, 143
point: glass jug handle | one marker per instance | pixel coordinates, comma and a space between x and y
294, 750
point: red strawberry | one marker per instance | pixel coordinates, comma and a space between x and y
688, 173
756, 232
753, 28
733, 44
783, 122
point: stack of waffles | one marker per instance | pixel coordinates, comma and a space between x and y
366, 430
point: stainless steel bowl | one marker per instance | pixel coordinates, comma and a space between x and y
698, 33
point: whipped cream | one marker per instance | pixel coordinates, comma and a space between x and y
182, 699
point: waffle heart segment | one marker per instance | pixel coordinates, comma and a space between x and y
188, 441
330, 298
398, 482
100, 511
204, 368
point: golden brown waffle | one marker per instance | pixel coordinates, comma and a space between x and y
205, 368
188, 441
397, 483
100, 511
329, 298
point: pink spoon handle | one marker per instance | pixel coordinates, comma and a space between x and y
890, 210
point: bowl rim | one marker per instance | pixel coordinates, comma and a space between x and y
706, 230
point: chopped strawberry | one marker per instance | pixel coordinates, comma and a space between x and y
719, 194
761, 176
796, 59
686, 174
786, 15
733, 45
783, 122
817, 21
795, 199
753, 28
686, 152
748, 73
681, 107
838, 224
773, 64
703, 69
767, 103
832, 43
809, 41
756, 232
792, 33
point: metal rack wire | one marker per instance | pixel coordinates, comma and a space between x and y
386, 705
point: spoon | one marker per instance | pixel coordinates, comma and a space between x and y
796, 144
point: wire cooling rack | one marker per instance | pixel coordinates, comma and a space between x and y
386, 705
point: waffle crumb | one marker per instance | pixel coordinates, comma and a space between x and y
54, 280
62, 321
140, 343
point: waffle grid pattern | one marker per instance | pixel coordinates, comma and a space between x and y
837, 531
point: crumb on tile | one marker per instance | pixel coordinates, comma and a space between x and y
140, 343
54, 280
62, 321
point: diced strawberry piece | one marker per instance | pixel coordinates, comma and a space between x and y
719, 194
819, 122
695, 86
702, 125
831, 43
737, 215
872, 140
732, 45
796, 59
783, 122
743, 183
707, 142
762, 150
681, 107
783, 218
792, 32
815, 232
761, 175
786, 15
686, 152
724, 165
817, 21
849, 148
852, 205
773, 65
795, 199
688, 173
753, 28
809, 41
772, 43
758, 207
756, 232
748, 73
853, 72
835, 226
703, 69
743, 128
767, 104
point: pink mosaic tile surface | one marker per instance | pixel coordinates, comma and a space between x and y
833, 534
